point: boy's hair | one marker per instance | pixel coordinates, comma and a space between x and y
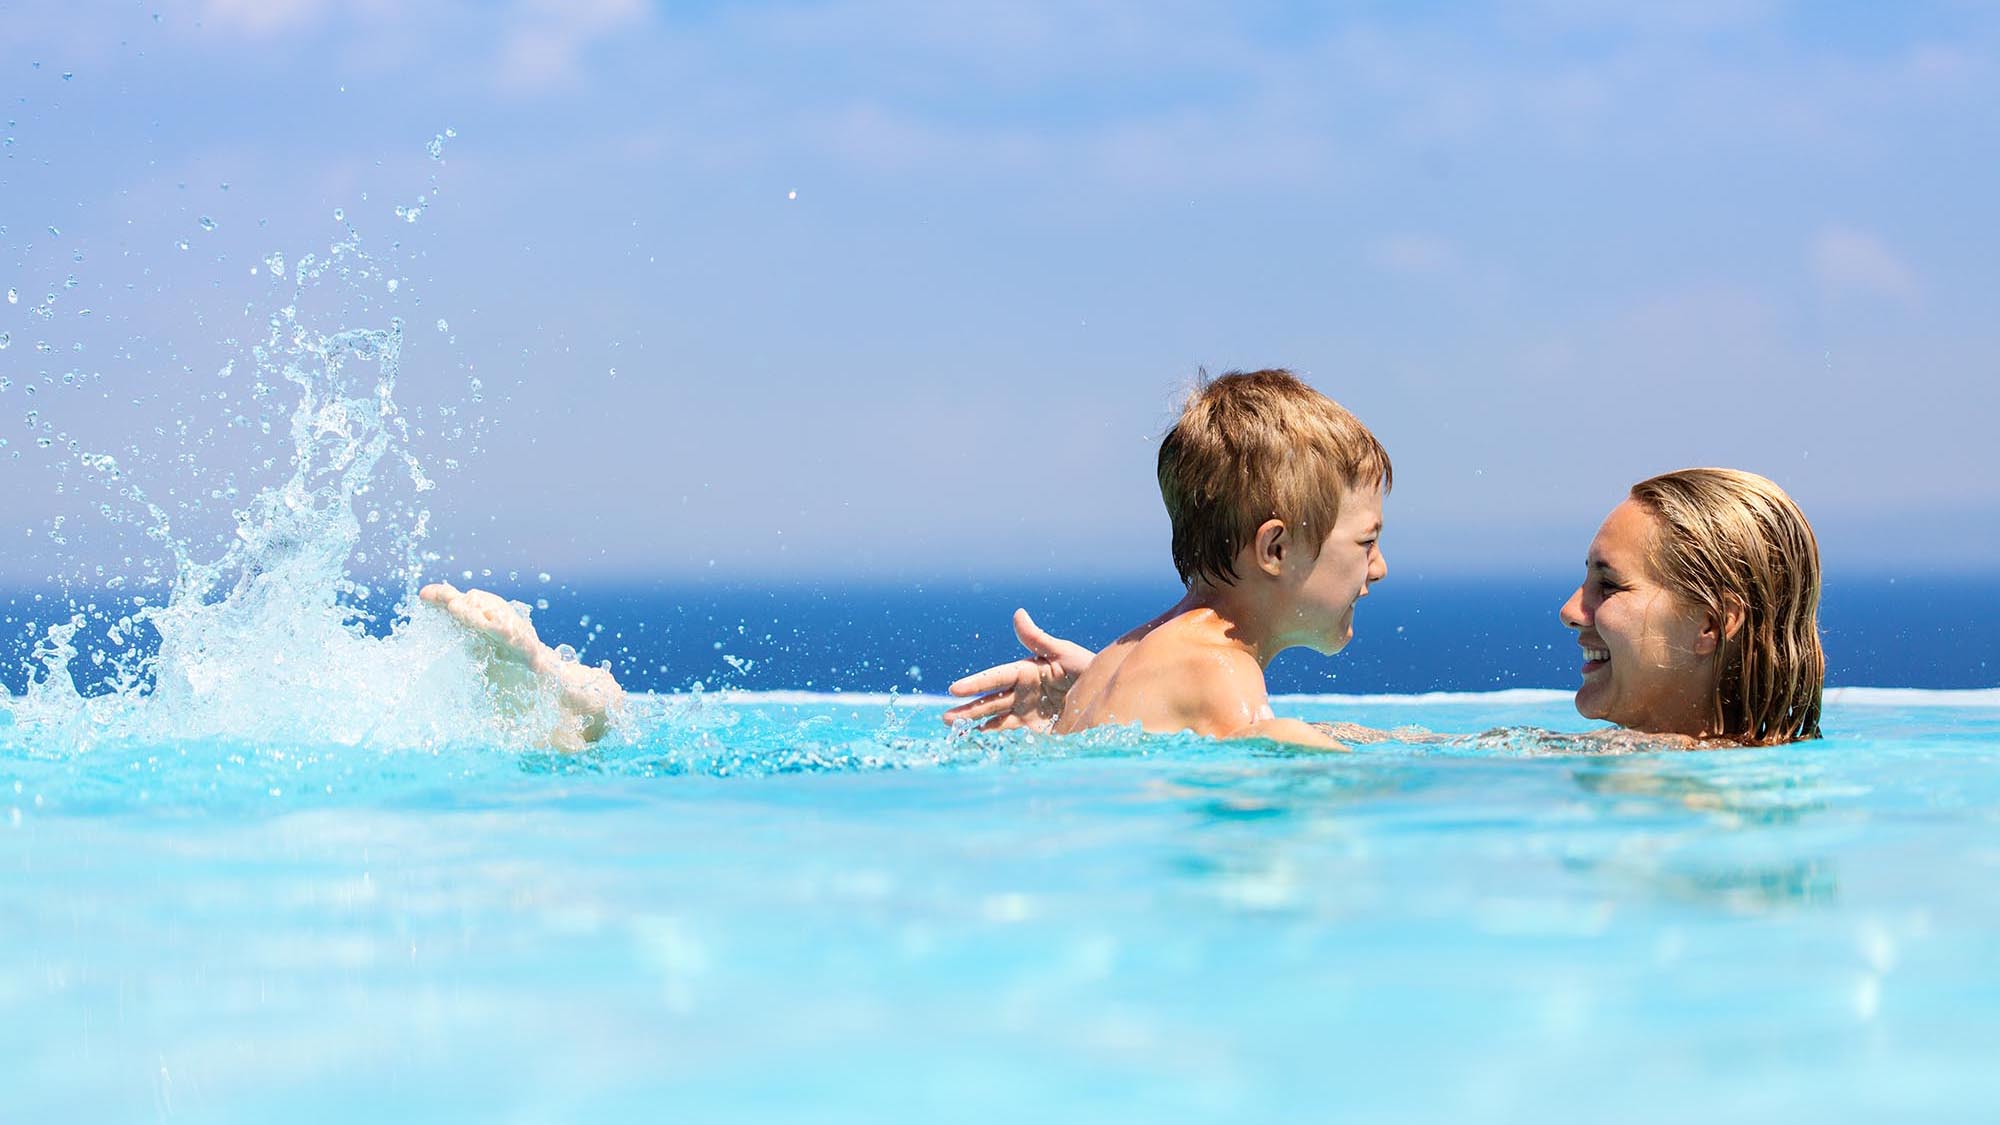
1253, 446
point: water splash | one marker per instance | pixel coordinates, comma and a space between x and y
281, 637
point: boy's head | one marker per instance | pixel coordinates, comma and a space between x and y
1254, 446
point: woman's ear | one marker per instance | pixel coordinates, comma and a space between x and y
1720, 626
1270, 545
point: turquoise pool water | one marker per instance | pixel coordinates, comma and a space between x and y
272, 853
819, 909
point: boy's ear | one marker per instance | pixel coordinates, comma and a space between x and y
1272, 541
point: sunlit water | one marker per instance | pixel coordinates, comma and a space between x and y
750, 909
273, 850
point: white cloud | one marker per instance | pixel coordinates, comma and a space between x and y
1845, 260
1413, 254
546, 39
261, 19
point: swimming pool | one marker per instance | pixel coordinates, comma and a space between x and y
792, 907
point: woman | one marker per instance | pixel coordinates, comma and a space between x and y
1697, 616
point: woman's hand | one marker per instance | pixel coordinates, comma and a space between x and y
1026, 693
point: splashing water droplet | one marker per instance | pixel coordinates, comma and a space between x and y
442, 326
6, 338
207, 223
339, 215
181, 243
13, 295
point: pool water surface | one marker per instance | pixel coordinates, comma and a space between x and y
787, 907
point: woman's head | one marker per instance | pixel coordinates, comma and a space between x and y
1698, 611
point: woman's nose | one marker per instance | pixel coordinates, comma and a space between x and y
1572, 610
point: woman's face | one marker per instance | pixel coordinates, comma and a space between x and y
1648, 658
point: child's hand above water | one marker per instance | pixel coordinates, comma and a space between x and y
1025, 693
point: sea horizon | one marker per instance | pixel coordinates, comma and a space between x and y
1414, 636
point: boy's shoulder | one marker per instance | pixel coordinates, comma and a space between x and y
1194, 679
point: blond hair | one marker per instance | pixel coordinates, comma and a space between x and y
1731, 540
1253, 446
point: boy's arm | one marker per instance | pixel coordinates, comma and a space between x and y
1294, 731
586, 695
1026, 693
1356, 733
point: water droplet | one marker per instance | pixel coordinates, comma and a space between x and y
442, 326
207, 223
6, 338
55, 232
182, 243
791, 195
339, 215
394, 284
68, 74
13, 295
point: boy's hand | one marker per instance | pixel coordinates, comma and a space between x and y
1026, 693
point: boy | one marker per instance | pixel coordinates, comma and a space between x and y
1275, 495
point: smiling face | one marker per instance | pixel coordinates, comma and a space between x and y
1325, 586
1649, 660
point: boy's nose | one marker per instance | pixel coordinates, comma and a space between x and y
1378, 568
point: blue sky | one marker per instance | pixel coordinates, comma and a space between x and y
1545, 249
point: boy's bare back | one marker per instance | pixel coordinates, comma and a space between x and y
1177, 672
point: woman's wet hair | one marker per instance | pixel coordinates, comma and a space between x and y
1730, 541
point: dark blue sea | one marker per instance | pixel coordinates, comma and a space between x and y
1412, 635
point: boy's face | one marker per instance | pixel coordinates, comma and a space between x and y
1349, 561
